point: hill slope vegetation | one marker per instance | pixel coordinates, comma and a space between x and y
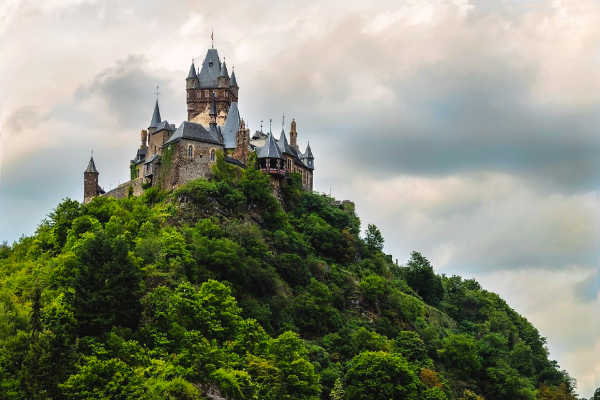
219, 290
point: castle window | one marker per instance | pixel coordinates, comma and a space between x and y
212, 155
190, 151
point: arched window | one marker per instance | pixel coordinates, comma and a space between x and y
190, 151
212, 155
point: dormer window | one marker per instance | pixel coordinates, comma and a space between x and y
210, 64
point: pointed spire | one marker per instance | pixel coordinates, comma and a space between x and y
233, 82
155, 116
308, 153
224, 69
192, 74
91, 168
284, 147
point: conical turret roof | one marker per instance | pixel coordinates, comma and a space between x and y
211, 68
192, 74
91, 166
270, 148
155, 116
233, 82
224, 70
231, 127
308, 153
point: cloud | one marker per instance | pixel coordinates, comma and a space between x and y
465, 130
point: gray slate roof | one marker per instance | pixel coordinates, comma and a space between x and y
231, 127
91, 166
284, 147
194, 131
233, 82
308, 153
152, 159
224, 70
155, 116
270, 149
192, 74
211, 68
164, 125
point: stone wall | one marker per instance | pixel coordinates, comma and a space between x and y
178, 167
122, 191
198, 104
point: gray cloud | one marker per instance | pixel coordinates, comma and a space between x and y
466, 130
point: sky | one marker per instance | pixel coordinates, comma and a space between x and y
466, 130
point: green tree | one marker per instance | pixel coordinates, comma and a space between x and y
420, 276
297, 378
373, 238
337, 393
103, 379
107, 284
380, 376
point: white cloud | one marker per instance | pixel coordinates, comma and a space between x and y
466, 130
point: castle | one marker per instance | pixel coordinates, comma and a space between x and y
169, 157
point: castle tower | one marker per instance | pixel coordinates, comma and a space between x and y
242, 141
90, 181
223, 78
212, 77
293, 135
155, 118
191, 82
144, 139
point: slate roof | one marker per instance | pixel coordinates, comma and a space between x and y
234, 161
194, 131
140, 155
155, 116
233, 82
154, 157
91, 166
224, 70
211, 68
164, 125
192, 74
308, 153
231, 127
270, 149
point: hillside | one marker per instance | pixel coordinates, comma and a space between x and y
219, 290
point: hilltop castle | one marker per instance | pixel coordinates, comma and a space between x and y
169, 157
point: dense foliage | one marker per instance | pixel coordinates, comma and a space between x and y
219, 289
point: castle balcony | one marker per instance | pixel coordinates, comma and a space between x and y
273, 171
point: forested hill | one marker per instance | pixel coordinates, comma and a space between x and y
217, 290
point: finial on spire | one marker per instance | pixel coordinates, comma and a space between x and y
282, 121
212, 39
157, 92
270, 124
261, 122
